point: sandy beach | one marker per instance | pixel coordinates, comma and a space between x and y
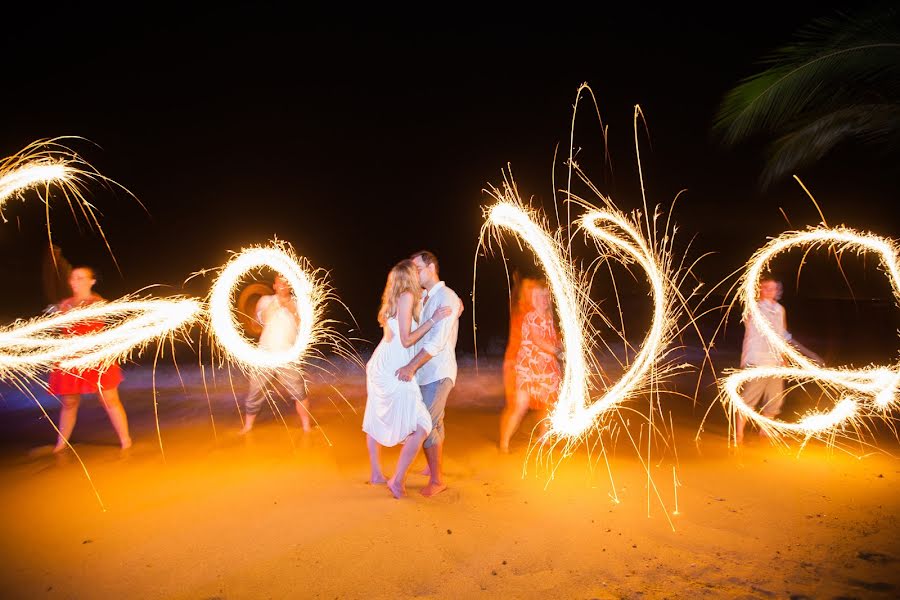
280, 514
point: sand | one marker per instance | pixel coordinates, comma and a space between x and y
281, 515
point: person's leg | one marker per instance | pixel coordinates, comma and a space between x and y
434, 454
67, 416
117, 416
512, 418
253, 403
374, 448
397, 483
435, 397
293, 382
773, 399
751, 394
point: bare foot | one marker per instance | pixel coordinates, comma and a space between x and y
245, 430
125, 453
42, 451
60, 448
396, 488
377, 479
433, 489
504, 448
126, 444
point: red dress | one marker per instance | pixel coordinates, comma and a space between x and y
83, 381
538, 371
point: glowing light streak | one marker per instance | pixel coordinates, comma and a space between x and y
573, 392
308, 292
31, 176
631, 246
29, 348
873, 389
575, 413
46, 165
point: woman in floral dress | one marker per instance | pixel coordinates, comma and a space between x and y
538, 371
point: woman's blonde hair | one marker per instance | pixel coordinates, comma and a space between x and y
404, 277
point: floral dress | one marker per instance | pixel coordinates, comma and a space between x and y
537, 371
83, 381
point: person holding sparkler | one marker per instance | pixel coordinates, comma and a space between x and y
395, 411
538, 371
519, 305
70, 385
757, 352
278, 315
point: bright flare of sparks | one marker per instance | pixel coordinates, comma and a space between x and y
28, 348
46, 165
631, 247
575, 412
508, 213
308, 292
873, 389
30, 176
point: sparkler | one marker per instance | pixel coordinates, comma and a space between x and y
129, 325
46, 164
858, 393
308, 291
571, 304
575, 412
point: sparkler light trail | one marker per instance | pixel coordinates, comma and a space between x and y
48, 164
858, 393
308, 291
571, 304
130, 324
27, 348
575, 412
629, 247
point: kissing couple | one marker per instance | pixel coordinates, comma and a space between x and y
412, 371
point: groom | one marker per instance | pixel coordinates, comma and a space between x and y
434, 365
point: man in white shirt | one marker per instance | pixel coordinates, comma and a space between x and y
434, 365
758, 352
280, 320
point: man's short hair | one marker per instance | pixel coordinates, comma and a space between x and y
428, 258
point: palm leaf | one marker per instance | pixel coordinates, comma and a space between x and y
825, 68
808, 143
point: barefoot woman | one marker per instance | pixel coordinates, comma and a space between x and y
69, 385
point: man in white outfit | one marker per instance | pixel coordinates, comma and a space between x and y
758, 352
280, 320
434, 365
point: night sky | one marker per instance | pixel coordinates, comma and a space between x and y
361, 140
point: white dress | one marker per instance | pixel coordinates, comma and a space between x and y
394, 408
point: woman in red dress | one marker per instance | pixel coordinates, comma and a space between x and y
538, 371
69, 385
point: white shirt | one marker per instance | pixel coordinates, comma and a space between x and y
440, 341
757, 351
279, 324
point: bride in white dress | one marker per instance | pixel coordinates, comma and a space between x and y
395, 412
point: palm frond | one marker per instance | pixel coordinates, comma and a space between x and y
826, 67
873, 123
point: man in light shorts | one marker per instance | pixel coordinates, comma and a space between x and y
278, 315
757, 352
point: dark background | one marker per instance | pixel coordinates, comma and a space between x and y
360, 138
